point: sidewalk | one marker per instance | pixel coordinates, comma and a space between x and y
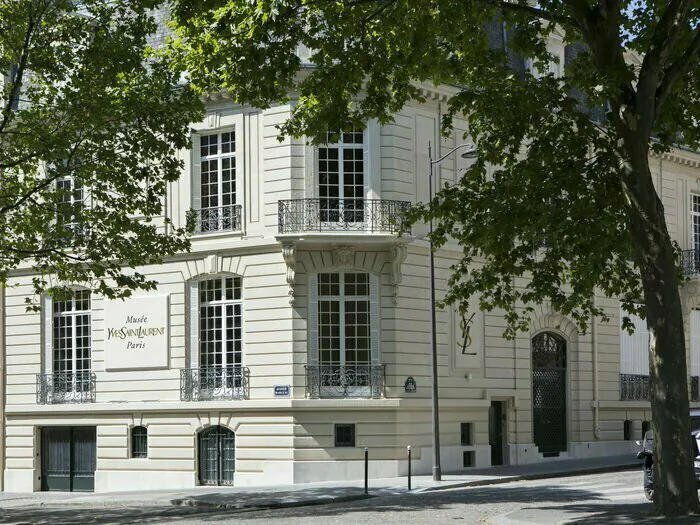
316, 493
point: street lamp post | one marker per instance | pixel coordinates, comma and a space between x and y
469, 154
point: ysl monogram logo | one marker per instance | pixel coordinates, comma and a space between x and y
465, 325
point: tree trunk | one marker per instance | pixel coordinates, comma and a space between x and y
675, 490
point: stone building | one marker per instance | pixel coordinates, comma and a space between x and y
292, 335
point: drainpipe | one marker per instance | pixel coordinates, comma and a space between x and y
596, 409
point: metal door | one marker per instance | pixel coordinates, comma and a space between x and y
68, 458
217, 452
549, 393
496, 424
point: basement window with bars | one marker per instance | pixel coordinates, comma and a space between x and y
466, 434
345, 435
139, 442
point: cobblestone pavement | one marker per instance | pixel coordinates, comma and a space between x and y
612, 498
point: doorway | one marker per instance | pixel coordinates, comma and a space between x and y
217, 453
68, 458
549, 393
497, 424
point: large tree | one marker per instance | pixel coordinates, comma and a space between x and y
572, 151
91, 119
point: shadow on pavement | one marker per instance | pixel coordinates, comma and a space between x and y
619, 514
89, 514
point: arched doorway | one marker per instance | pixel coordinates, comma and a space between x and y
549, 393
217, 456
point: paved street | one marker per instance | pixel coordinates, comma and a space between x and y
611, 498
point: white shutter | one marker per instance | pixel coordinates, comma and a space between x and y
634, 349
371, 158
47, 312
193, 299
374, 307
313, 320
196, 178
695, 342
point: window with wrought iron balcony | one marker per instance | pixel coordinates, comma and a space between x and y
342, 205
215, 184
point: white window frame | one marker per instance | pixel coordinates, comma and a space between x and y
695, 222
375, 329
220, 216
195, 319
74, 200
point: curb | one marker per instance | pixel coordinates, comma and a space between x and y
269, 506
530, 477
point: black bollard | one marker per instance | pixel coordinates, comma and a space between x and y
366, 470
409, 466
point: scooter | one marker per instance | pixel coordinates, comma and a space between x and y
647, 454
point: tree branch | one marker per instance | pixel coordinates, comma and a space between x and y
681, 66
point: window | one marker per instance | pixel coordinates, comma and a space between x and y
71, 345
634, 360
468, 458
646, 427
70, 205
220, 331
139, 442
695, 221
344, 339
344, 319
627, 430
341, 177
72, 339
466, 434
694, 351
345, 435
217, 184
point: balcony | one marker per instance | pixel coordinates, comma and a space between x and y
341, 215
65, 387
214, 383
634, 387
690, 260
219, 219
342, 381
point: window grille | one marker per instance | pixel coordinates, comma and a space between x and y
139, 442
345, 435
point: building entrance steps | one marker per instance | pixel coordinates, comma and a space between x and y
319, 493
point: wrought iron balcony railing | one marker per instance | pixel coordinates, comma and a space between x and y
339, 215
220, 219
65, 387
695, 388
344, 381
690, 259
634, 387
214, 382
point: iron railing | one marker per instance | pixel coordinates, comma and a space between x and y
214, 382
219, 219
344, 381
690, 260
695, 388
334, 215
65, 387
634, 387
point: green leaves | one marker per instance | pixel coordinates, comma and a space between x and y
93, 104
552, 222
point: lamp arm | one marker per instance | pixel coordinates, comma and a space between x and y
465, 145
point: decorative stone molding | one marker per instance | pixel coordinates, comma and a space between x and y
397, 255
289, 254
212, 263
343, 256
213, 120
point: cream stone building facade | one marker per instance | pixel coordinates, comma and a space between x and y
292, 335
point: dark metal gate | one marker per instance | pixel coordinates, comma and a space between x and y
68, 458
217, 456
549, 393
